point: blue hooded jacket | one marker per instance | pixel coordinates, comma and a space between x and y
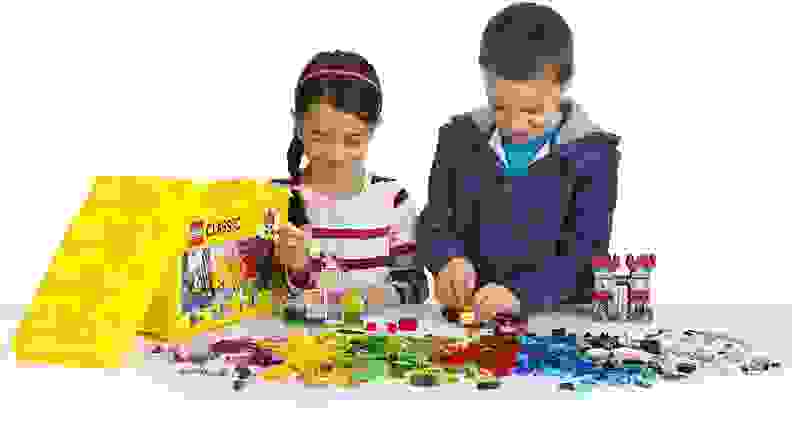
533, 233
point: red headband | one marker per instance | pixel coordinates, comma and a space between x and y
318, 71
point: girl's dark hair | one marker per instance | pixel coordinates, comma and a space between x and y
347, 80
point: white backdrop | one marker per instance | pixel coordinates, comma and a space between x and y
204, 89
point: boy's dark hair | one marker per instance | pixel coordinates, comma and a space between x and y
522, 38
347, 80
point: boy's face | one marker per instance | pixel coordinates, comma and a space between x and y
334, 139
523, 106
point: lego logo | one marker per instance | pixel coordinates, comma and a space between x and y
197, 232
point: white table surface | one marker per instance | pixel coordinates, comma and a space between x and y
749, 323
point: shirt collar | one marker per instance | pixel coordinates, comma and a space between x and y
496, 143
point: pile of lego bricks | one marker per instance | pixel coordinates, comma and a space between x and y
348, 356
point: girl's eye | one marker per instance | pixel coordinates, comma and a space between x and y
499, 108
531, 111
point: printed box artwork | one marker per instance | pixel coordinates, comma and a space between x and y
221, 275
224, 269
622, 290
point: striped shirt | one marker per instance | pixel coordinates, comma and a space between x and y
359, 241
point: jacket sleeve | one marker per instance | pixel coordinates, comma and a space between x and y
439, 235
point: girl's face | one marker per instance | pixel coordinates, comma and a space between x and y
334, 139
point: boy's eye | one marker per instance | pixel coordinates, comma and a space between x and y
532, 111
499, 108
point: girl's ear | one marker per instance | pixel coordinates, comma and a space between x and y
373, 129
298, 127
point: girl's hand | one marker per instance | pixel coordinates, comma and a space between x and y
280, 295
290, 247
312, 296
376, 296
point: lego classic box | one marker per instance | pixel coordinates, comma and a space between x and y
155, 256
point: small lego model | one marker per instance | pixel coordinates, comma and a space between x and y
601, 294
621, 287
759, 363
622, 290
640, 287
242, 377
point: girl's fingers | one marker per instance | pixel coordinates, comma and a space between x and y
464, 293
453, 293
290, 231
443, 290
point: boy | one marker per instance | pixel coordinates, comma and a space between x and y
521, 192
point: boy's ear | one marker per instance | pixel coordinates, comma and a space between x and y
552, 71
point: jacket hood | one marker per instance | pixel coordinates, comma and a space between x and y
576, 122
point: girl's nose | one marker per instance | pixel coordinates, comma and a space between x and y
335, 153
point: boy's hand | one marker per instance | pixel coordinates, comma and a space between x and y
454, 285
290, 247
492, 299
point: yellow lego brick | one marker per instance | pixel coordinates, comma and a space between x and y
276, 373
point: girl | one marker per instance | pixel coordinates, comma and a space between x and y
347, 228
